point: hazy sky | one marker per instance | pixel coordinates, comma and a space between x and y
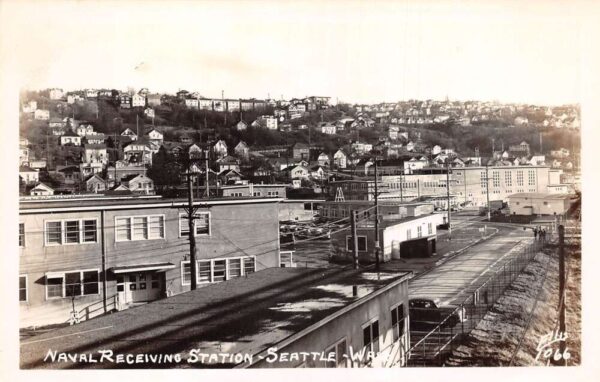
357, 51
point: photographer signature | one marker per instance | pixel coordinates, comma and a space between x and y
548, 348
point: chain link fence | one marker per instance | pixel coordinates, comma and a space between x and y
437, 331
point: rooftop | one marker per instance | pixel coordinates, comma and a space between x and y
244, 315
539, 195
99, 202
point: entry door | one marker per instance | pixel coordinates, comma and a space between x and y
140, 286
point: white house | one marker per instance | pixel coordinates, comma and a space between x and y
129, 133
56, 93
70, 138
297, 172
41, 190
84, 129
139, 184
241, 126
328, 128
340, 159
155, 136
323, 159
42, 115
95, 153
138, 100
220, 148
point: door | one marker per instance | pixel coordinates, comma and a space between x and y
140, 286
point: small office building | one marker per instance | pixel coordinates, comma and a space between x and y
413, 236
539, 204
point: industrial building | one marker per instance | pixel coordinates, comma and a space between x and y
96, 253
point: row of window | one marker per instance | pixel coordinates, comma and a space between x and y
65, 284
216, 270
371, 338
127, 228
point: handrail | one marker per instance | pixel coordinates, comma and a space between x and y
86, 311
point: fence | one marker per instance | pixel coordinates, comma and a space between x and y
436, 332
94, 310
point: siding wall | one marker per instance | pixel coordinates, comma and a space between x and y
236, 231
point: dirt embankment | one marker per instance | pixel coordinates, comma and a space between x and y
510, 333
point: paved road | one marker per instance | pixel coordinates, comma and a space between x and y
451, 281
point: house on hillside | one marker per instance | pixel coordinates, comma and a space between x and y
242, 150
70, 138
139, 184
129, 133
94, 183
220, 148
323, 159
228, 163
28, 175
340, 159
41, 189
300, 151
241, 126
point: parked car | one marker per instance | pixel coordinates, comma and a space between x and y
429, 312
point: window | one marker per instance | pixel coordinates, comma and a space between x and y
256, 193
496, 178
419, 231
531, 177
429, 228
371, 337
21, 234
201, 221
408, 234
249, 265
483, 179
71, 284
398, 321
216, 270
204, 271
508, 178
22, 288
362, 243
219, 269
140, 228
272, 193
339, 349
71, 232
519, 177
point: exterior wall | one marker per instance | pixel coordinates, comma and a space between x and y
297, 211
468, 185
527, 205
256, 190
349, 325
390, 238
238, 230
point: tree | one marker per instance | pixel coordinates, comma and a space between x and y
164, 171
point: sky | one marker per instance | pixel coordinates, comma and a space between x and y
365, 52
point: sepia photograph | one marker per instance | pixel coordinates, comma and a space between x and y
283, 185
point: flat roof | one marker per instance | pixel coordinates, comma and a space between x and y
539, 195
38, 205
245, 315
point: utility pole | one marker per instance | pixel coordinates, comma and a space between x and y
376, 219
191, 226
401, 181
354, 239
561, 290
487, 191
448, 196
207, 174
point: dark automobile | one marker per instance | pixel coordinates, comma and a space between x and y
429, 313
